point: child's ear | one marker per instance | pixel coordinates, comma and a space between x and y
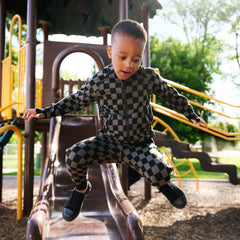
109, 51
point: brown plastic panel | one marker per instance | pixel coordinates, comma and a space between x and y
182, 150
55, 50
106, 214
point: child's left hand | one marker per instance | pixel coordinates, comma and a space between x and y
201, 122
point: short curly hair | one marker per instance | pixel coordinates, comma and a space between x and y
130, 28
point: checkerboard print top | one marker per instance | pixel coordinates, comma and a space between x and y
124, 105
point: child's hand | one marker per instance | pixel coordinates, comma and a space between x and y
31, 113
201, 122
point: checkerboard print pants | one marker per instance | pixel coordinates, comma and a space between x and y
145, 159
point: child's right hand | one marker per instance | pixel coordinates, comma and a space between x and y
198, 123
31, 113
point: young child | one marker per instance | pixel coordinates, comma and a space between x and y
122, 91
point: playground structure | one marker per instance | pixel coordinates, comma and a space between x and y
106, 214
29, 92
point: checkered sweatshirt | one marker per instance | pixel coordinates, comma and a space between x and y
124, 105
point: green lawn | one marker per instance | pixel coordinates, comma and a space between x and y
11, 164
203, 174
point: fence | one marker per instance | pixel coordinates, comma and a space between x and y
10, 157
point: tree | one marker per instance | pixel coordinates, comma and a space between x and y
180, 65
201, 20
194, 60
237, 34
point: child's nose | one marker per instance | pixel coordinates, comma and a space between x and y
129, 63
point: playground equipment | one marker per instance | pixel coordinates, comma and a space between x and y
54, 53
13, 79
107, 213
174, 166
182, 150
7, 132
177, 116
205, 160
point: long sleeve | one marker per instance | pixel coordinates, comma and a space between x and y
74, 102
172, 98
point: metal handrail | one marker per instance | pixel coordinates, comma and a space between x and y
211, 110
167, 127
10, 105
187, 89
19, 166
211, 130
176, 172
7, 71
16, 88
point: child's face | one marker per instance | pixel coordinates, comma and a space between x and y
126, 54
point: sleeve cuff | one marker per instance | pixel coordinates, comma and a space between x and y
39, 111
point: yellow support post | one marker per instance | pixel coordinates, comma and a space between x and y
13, 79
19, 168
176, 173
20, 88
9, 71
38, 100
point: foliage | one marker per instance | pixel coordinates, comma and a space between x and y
200, 20
193, 62
14, 54
198, 17
225, 126
13, 139
67, 75
94, 68
185, 65
188, 68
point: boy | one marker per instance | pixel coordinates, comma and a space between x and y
123, 91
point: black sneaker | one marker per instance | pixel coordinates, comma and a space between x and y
73, 205
174, 195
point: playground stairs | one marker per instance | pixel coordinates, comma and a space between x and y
182, 150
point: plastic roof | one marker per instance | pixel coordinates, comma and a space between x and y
80, 17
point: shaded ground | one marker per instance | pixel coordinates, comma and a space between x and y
213, 212
11, 228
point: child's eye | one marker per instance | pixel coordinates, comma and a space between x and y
122, 58
136, 60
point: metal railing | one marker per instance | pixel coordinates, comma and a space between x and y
67, 87
13, 79
169, 157
19, 166
181, 118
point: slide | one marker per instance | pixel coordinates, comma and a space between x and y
107, 214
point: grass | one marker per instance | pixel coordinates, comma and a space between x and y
203, 174
11, 164
37, 172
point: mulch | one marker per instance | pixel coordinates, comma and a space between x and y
212, 212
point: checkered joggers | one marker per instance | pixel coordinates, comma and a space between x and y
145, 159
